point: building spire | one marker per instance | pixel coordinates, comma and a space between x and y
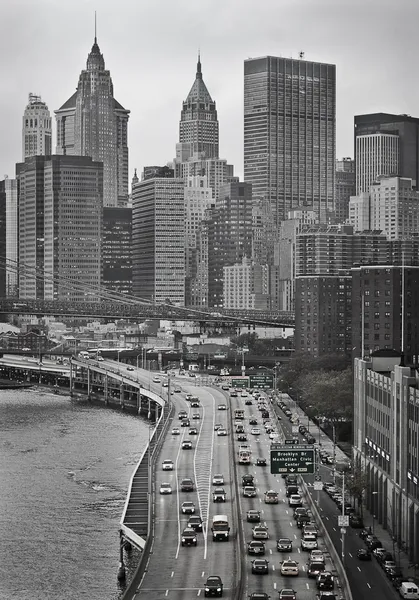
198, 66
95, 29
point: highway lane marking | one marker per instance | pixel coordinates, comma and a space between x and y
203, 573
172, 574
359, 569
350, 554
368, 585
275, 585
167, 593
270, 550
199, 593
307, 586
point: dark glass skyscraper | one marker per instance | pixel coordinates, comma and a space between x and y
289, 133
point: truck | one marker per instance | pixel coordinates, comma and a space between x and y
220, 528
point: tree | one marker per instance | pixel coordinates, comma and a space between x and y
328, 394
357, 483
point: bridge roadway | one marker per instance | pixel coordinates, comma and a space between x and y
180, 572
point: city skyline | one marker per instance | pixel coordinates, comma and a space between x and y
152, 57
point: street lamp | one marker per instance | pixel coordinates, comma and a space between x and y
373, 509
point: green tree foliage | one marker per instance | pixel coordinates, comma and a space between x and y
255, 346
327, 393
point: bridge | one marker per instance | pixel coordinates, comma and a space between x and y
141, 310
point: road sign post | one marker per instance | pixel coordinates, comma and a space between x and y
297, 459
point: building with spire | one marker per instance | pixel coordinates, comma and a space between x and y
92, 123
36, 128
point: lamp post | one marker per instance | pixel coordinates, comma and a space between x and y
373, 494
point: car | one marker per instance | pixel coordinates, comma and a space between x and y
284, 545
259, 596
382, 553
363, 554
295, 500
243, 394
372, 542
247, 479
222, 407
177, 390
388, 564
99, 358
249, 491
213, 586
219, 495
355, 521
248, 402
302, 520
255, 547
222, 431
287, 594
273, 435
165, 488
195, 403
309, 542
315, 567
188, 508
260, 566
188, 397
289, 568
253, 516
191, 374
217, 426
196, 416
187, 445
193, 431
324, 595
188, 537
325, 581
218, 479
130, 369
156, 379
261, 462
260, 532
364, 533
167, 465
291, 479
182, 415
195, 522
187, 485
225, 387
242, 437
165, 384
233, 394
395, 573
271, 497
310, 529
175, 431
299, 511
255, 431
253, 421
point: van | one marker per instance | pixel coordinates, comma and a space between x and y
409, 590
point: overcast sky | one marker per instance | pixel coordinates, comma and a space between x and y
150, 48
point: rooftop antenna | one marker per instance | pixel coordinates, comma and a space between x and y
95, 29
301, 55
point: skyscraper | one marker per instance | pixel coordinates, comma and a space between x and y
8, 236
116, 249
158, 239
289, 134
345, 188
60, 202
36, 128
92, 123
198, 127
386, 145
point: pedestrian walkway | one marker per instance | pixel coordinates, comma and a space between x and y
409, 570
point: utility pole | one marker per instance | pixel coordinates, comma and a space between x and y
343, 529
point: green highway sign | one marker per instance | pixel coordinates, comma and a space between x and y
240, 383
298, 459
261, 380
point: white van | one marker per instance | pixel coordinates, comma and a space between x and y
409, 590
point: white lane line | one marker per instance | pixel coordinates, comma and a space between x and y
368, 585
359, 569
295, 536
199, 593
273, 567
167, 593
350, 554
270, 550
334, 528
275, 585
307, 586
203, 573
172, 574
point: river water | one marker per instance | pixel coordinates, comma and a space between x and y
65, 467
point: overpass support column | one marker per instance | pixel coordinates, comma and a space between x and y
105, 388
71, 377
138, 400
89, 383
121, 395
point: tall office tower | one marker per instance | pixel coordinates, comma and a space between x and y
386, 145
246, 286
116, 249
216, 170
385, 310
345, 188
265, 232
158, 240
199, 283
229, 235
8, 237
289, 134
60, 201
198, 127
198, 198
36, 128
323, 314
92, 123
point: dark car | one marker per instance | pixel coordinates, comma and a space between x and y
284, 545
242, 437
356, 521
325, 581
259, 596
290, 479
261, 462
189, 537
364, 554
195, 522
187, 485
260, 566
213, 586
247, 479
185, 423
394, 573
253, 516
301, 520
373, 543
315, 568
365, 532
256, 547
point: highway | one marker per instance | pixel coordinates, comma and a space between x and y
180, 572
364, 578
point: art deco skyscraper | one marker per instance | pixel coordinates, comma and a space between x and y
92, 123
36, 128
289, 134
198, 127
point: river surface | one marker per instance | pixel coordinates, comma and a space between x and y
65, 467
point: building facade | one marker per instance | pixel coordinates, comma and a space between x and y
345, 188
289, 134
116, 249
92, 123
386, 439
36, 128
395, 207
158, 240
386, 145
60, 201
9, 237
246, 286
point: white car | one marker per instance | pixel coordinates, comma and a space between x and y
167, 465
273, 435
316, 555
289, 568
188, 508
165, 488
156, 379
175, 431
309, 542
218, 479
222, 407
260, 532
221, 431
255, 431
295, 500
